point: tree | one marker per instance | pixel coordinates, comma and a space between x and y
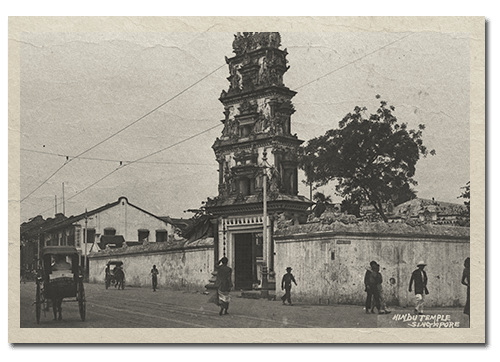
352, 204
403, 194
321, 200
466, 195
370, 156
320, 197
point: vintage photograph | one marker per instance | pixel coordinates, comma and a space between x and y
176, 177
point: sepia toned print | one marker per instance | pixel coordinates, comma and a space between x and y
184, 175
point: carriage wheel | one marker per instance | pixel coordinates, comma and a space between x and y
38, 302
81, 300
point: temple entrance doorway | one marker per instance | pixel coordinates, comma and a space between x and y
243, 273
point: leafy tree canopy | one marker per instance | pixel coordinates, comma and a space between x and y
321, 197
371, 156
466, 195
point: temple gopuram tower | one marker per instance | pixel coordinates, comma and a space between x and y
256, 142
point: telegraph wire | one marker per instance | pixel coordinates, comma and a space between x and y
178, 94
150, 112
124, 128
354, 61
44, 182
175, 144
114, 160
136, 161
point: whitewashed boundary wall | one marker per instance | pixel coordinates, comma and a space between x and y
329, 261
183, 265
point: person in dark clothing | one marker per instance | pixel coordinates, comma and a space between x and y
286, 284
372, 279
224, 284
154, 277
119, 276
466, 282
379, 295
419, 277
60, 265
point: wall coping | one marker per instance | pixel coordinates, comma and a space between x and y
155, 248
375, 229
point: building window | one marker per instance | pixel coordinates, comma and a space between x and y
90, 236
70, 237
161, 236
109, 231
245, 131
245, 186
143, 235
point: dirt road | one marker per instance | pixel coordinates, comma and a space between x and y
143, 308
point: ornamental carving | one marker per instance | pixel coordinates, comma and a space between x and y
239, 197
230, 128
250, 41
235, 82
285, 107
261, 124
246, 107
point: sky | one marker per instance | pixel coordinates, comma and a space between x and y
79, 90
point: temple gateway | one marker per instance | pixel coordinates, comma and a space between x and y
257, 156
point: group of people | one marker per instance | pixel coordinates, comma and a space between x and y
224, 284
372, 281
418, 282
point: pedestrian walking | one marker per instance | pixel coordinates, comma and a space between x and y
466, 282
224, 284
372, 277
154, 277
119, 276
419, 277
286, 284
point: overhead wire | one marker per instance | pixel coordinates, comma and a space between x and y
123, 129
150, 112
353, 61
114, 160
132, 162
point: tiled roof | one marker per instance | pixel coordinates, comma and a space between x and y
72, 219
417, 206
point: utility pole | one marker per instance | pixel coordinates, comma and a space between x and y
64, 206
267, 248
85, 240
39, 264
264, 192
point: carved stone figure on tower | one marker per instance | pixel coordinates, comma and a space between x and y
250, 41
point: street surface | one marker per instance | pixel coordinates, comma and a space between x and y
167, 308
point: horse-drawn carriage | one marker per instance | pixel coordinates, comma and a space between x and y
60, 277
115, 275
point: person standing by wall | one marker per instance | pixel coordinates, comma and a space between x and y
224, 284
371, 289
286, 284
466, 282
419, 277
154, 277
383, 306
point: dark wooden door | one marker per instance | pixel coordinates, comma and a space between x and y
243, 261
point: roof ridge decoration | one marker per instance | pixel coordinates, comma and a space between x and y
249, 41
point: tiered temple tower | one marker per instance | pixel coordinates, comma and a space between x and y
256, 138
